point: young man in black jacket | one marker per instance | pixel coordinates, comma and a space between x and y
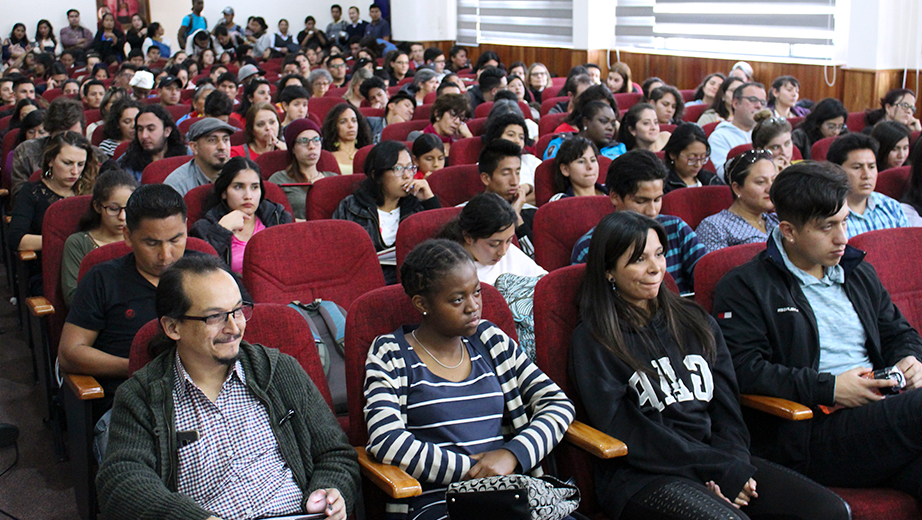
806, 320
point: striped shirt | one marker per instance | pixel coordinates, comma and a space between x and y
394, 373
683, 252
882, 212
235, 468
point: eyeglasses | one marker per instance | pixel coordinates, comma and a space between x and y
458, 117
338, 66
400, 171
832, 127
906, 106
538, 73
755, 100
245, 311
114, 210
693, 160
307, 141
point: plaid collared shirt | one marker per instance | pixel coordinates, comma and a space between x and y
882, 212
235, 468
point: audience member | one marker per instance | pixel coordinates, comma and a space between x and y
261, 134
538, 79
209, 140
640, 129
75, 36
319, 82
748, 99
597, 122
155, 39
294, 104
751, 217
649, 85
304, 143
336, 30
120, 125
353, 94
635, 183
827, 119
893, 139
510, 125
490, 81
192, 22
500, 165
619, 79
576, 169
379, 28
155, 137
448, 119
722, 107
668, 103
868, 210
336, 66
687, 152
428, 155
425, 81
782, 98
110, 41
743, 71
706, 92
345, 130
898, 105
773, 133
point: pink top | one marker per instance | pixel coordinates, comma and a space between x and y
239, 246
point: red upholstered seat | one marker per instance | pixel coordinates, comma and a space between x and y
273, 325
627, 100
550, 122
696, 204
358, 162
714, 265
476, 126
8, 140
544, 178
709, 128
177, 111
120, 150
97, 135
419, 227
856, 121
271, 162
894, 253
120, 249
328, 163
334, 260
92, 115
687, 95
547, 103
456, 184
423, 112
326, 194
157, 171
738, 150
877, 503
336, 92
197, 197
894, 182
819, 148
238, 138
50, 94
693, 112
371, 112
667, 128
400, 131
542, 144
323, 105
465, 151
559, 224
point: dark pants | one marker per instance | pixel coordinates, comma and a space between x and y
878, 444
783, 494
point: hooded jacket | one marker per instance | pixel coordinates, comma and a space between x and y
208, 229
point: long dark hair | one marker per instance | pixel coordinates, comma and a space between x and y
482, 217
380, 159
106, 183
570, 150
684, 135
33, 119
888, 134
660, 92
112, 129
629, 122
136, 158
330, 132
593, 93
248, 92
229, 172
608, 314
829, 108
718, 105
699, 92
913, 195
871, 117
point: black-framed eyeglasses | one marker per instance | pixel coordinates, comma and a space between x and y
245, 311
755, 100
114, 210
906, 106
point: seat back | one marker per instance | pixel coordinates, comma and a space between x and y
120, 249
423, 112
328, 163
323, 105
559, 224
120, 150
97, 136
547, 103
894, 182
272, 325
61, 219
819, 148
714, 265
157, 171
371, 112
335, 260
693, 112
456, 184
547, 124
893, 253
856, 121
738, 150
197, 197
709, 127
8, 140
400, 131
326, 194
476, 126
544, 182
271, 162
358, 162
465, 151
419, 227
383, 311
626, 100
178, 111
696, 204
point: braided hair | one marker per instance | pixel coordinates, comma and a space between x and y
425, 266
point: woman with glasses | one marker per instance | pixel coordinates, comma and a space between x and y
773, 134
686, 154
827, 119
318, 82
449, 115
236, 210
397, 66
752, 216
102, 224
537, 79
304, 146
388, 195
898, 105
345, 130
782, 98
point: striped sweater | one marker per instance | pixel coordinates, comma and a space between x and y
537, 412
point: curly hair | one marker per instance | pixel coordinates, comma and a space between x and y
330, 131
53, 146
429, 262
112, 129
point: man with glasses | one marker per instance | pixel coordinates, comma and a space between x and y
116, 298
250, 434
209, 139
336, 66
748, 99
435, 58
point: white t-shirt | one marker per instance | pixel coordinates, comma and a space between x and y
389, 221
515, 262
529, 165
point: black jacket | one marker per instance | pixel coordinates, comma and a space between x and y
360, 208
208, 229
695, 431
771, 332
706, 178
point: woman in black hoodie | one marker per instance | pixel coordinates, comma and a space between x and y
654, 372
236, 210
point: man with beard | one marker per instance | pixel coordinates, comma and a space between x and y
155, 137
209, 139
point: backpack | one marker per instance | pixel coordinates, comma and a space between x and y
327, 321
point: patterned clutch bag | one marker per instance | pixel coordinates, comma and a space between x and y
511, 497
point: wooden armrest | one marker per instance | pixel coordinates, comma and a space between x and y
776, 406
39, 306
4, 193
390, 479
595, 442
84, 387
7, 218
27, 256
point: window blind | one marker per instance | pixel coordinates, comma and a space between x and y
784, 29
536, 23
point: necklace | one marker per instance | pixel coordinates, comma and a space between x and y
435, 358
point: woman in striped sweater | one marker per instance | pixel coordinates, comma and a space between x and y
455, 398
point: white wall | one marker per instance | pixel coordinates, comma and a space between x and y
55, 11
424, 20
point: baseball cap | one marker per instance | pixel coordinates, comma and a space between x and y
228, 10
142, 79
169, 80
207, 125
248, 70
